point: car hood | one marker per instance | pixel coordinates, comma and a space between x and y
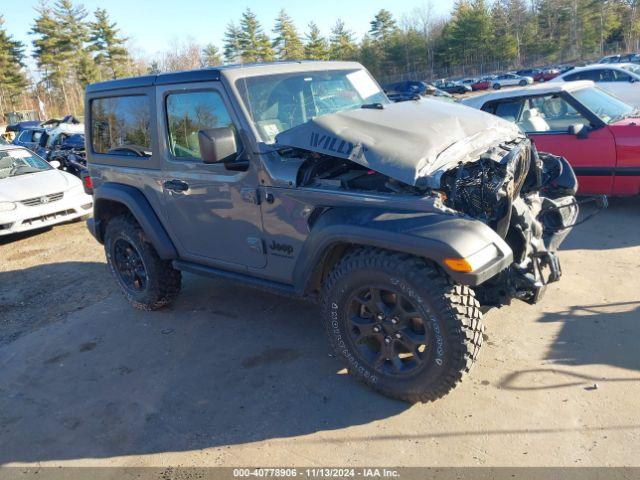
30, 185
414, 142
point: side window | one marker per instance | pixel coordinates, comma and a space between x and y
508, 110
607, 75
121, 125
187, 114
621, 76
549, 113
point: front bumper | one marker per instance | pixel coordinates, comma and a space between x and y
25, 218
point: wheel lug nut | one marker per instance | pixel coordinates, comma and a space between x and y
387, 340
376, 329
398, 335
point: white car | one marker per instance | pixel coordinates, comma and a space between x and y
34, 194
509, 80
621, 80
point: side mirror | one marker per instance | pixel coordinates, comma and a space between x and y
217, 145
579, 130
55, 164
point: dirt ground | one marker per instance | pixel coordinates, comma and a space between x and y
232, 376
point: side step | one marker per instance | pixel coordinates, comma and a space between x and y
261, 283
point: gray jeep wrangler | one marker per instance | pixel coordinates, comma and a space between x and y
303, 178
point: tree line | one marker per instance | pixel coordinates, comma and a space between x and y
72, 47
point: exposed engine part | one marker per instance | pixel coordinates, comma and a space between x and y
324, 171
485, 189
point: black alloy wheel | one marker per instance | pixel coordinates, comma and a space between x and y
129, 266
388, 331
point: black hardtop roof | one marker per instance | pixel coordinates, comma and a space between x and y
188, 76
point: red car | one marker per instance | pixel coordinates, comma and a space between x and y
598, 134
481, 84
549, 74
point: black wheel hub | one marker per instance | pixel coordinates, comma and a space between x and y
388, 331
129, 266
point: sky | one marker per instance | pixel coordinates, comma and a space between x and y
152, 25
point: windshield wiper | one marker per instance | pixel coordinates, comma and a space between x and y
375, 106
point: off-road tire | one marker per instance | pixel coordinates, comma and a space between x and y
450, 310
163, 281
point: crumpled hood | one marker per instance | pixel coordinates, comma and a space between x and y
31, 185
414, 142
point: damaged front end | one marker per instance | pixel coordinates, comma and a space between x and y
468, 163
528, 199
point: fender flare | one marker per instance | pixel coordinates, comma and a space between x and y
138, 205
430, 235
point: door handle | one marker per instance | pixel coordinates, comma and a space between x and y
177, 186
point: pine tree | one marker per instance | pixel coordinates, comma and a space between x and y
110, 51
45, 45
254, 43
232, 46
210, 56
342, 45
316, 46
382, 26
287, 43
12, 77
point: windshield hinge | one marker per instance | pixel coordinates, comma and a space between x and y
251, 195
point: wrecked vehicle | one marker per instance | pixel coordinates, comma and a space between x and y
403, 219
70, 152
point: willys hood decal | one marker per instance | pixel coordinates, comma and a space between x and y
414, 142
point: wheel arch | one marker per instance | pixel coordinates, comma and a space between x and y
432, 236
114, 199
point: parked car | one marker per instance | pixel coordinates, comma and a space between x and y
412, 90
29, 138
483, 83
307, 180
70, 153
548, 74
621, 80
454, 87
34, 194
509, 80
535, 73
597, 133
53, 137
609, 59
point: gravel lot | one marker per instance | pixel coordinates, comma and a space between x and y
233, 376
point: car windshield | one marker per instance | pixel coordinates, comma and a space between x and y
20, 161
279, 102
607, 107
631, 68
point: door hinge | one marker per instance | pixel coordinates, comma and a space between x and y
256, 244
251, 195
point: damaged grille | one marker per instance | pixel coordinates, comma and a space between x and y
33, 202
485, 189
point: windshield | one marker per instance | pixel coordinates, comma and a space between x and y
607, 107
20, 162
631, 68
279, 102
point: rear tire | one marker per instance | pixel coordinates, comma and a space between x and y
496, 86
147, 281
412, 340
523, 83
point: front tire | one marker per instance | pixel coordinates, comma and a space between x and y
496, 86
400, 325
523, 83
147, 281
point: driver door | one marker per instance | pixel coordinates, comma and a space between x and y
212, 212
592, 157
